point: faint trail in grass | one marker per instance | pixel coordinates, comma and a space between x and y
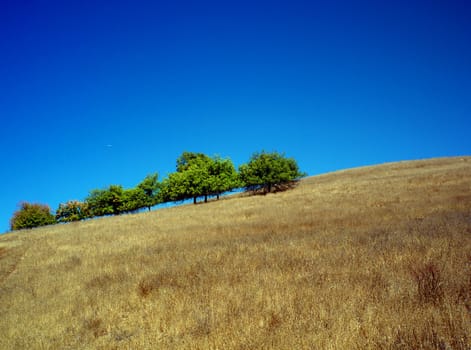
10, 258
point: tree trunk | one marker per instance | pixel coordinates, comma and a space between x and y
194, 200
206, 198
217, 196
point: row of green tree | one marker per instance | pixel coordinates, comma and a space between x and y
197, 176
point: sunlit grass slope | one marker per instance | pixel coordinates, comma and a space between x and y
369, 258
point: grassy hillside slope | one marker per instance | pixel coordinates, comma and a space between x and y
369, 258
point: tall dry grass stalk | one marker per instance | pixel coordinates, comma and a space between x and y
370, 258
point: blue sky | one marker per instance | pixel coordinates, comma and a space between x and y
94, 93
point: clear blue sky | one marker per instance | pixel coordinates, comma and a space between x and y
94, 93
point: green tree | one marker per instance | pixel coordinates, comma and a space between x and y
71, 211
267, 171
190, 179
31, 215
173, 188
151, 187
132, 200
105, 201
189, 183
222, 176
199, 175
188, 159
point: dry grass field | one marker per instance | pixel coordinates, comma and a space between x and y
369, 258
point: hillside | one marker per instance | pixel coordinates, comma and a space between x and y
369, 258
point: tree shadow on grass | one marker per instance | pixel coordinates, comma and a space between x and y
258, 190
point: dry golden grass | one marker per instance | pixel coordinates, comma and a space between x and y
370, 258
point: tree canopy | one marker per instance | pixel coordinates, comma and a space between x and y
31, 215
197, 175
105, 201
151, 187
189, 180
267, 171
132, 200
223, 176
72, 211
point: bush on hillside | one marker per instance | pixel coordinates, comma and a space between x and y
31, 215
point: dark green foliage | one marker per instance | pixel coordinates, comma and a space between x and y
151, 187
31, 215
222, 176
199, 175
190, 158
105, 201
72, 211
183, 185
189, 179
132, 200
171, 188
267, 171
116, 200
